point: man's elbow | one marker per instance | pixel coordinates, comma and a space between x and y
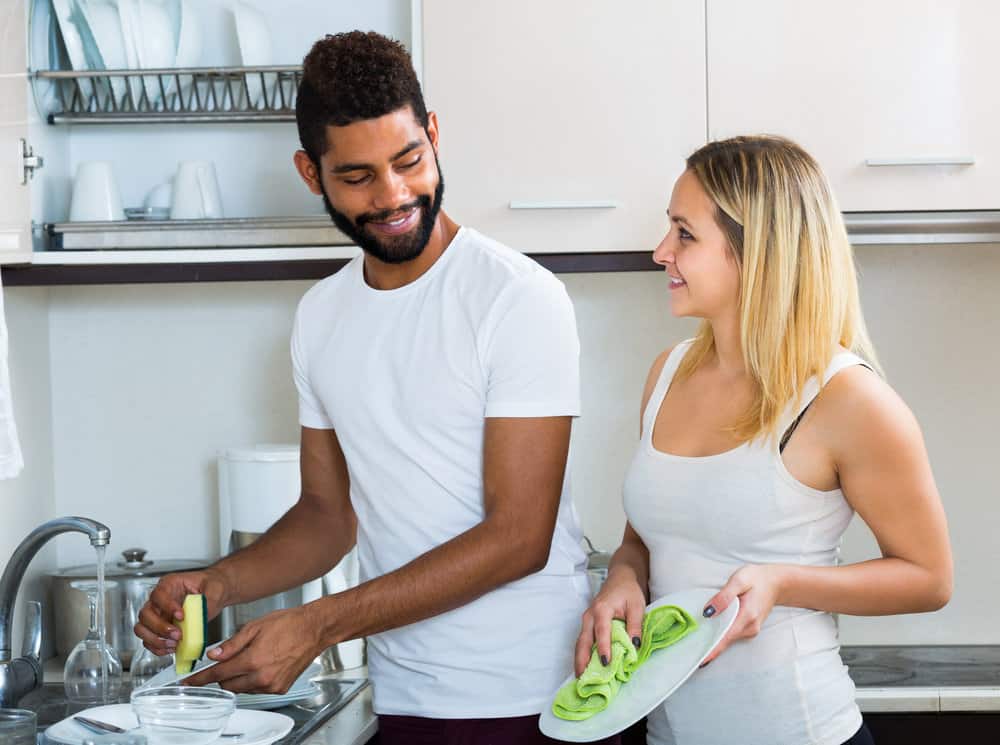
533, 555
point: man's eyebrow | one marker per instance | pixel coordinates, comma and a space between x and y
348, 167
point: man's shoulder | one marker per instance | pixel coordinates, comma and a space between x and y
496, 266
326, 291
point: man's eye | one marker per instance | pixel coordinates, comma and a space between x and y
355, 181
412, 163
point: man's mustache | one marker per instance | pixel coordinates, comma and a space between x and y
422, 201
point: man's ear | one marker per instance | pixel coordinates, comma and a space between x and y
308, 171
432, 130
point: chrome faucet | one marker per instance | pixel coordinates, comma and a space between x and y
21, 675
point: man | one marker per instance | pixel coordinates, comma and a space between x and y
437, 377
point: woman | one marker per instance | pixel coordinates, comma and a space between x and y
760, 438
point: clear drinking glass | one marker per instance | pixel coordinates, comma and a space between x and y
145, 664
93, 672
17, 727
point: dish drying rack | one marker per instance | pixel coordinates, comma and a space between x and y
171, 96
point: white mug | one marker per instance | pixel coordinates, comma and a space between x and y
95, 193
196, 192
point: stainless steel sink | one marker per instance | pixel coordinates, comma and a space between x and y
50, 704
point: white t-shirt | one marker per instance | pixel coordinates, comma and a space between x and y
407, 377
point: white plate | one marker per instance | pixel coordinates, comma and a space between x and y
302, 688
169, 676
258, 727
651, 684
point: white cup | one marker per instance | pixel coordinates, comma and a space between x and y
95, 193
196, 192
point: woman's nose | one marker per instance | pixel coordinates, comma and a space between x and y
663, 254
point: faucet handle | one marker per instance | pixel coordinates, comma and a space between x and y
33, 631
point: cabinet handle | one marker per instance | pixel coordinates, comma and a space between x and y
571, 205
959, 160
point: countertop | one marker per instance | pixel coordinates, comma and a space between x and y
889, 679
922, 678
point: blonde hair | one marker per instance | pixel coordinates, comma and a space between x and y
798, 283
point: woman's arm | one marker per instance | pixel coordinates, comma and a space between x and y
623, 594
882, 466
885, 475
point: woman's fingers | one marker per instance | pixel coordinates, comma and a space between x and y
634, 613
584, 644
602, 633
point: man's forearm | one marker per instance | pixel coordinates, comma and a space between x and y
304, 544
450, 575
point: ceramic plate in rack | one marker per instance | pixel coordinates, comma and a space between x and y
68, 16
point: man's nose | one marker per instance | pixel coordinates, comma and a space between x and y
392, 192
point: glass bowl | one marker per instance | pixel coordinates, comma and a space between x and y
183, 715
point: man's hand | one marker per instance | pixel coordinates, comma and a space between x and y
156, 625
267, 655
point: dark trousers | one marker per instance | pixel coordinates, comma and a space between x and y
397, 730
861, 737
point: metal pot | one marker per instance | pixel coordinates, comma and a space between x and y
72, 611
597, 566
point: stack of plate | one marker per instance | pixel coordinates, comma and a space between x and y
301, 689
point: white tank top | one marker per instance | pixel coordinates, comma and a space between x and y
702, 518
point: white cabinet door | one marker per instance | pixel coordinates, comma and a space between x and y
15, 204
896, 98
564, 123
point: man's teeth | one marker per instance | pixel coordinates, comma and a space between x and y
400, 220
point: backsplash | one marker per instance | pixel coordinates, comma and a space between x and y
149, 382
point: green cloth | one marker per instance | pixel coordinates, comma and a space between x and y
599, 684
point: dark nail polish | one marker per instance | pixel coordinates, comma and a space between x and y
709, 611
705, 664
604, 660
636, 642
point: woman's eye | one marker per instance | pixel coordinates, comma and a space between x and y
685, 236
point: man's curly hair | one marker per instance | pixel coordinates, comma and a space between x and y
349, 77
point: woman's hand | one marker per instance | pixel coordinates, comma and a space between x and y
620, 597
757, 587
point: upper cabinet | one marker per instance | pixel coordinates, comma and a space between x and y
564, 124
74, 91
896, 99
15, 232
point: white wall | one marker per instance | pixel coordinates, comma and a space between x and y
29, 499
148, 382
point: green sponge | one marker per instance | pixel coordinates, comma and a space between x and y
194, 634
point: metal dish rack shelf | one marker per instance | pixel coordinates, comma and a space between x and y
170, 96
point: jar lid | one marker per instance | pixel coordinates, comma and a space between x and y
133, 564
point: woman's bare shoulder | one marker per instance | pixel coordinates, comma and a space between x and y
865, 414
654, 375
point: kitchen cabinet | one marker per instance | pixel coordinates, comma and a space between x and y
215, 107
564, 124
896, 99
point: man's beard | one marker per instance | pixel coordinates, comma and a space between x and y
395, 249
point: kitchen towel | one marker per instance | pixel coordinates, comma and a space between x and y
11, 461
599, 684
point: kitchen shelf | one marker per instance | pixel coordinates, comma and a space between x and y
156, 235
170, 96
260, 249
247, 265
